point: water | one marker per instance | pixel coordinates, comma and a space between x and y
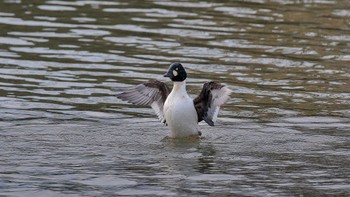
284, 132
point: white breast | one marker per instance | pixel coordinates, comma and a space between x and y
179, 112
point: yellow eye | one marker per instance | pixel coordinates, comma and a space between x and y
176, 68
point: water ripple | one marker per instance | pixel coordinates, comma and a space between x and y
283, 132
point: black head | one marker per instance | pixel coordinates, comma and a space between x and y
176, 72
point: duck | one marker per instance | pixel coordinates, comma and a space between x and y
174, 107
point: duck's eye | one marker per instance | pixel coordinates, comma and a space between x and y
177, 68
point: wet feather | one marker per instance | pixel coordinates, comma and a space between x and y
152, 92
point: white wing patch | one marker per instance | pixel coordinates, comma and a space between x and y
208, 102
153, 93
158, 108
219, 97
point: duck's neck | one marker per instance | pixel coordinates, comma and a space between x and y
180, 87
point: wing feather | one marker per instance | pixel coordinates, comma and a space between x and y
152, 92
208, 102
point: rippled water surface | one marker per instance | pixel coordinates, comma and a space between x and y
283, 132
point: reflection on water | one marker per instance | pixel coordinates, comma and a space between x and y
283, 132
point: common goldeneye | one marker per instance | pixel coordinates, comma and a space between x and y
175, 108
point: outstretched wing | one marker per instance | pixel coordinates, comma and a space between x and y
208, 102
152, 92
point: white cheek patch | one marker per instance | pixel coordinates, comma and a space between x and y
174, 73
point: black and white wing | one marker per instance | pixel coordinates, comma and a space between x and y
152, 92
208, 102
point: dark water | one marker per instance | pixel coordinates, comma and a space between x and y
284, 132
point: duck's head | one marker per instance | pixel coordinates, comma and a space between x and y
176, 72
